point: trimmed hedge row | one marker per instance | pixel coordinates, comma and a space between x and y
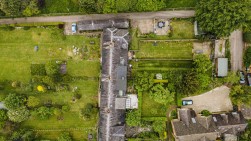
154, 118
33, 24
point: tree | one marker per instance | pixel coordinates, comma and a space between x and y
221, 17
31, 9
49, 81
123, 5
144, 81
88, 6
159, 126
204, 81
190, 84
133, 118
109, 6
11, 7
240, 95
33, 101
231, 78
52, 68
13, 101
19, 114
23, 135
3, 115
150, 5
65, 136
161, 94
202, 64
89, 111
44, 112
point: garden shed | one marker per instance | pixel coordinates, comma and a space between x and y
222, 67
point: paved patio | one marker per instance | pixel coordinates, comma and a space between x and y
216, 100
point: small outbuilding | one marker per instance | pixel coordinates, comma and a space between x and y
222, 67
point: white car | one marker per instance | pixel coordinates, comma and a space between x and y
74, 27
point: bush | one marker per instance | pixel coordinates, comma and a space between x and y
43, 112
133, 118
14, 101
19, 114
52, 68
38, 69
205, 113
65, 108
3, 115
33, 101
247, 37
89, 111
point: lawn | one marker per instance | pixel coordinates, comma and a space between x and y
17, 51
16, 56
165, 50
151, 108
181, 29
162, 65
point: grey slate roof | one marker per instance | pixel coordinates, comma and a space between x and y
120, 103
114, 67
102, 24
121, 78
190, 127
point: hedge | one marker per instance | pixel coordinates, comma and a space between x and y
33, 24
154, 118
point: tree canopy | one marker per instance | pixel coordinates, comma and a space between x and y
13, 101
241, 95
19, 114
133, 118
144, 81
221, 17
32, 101
19, 7
161, 94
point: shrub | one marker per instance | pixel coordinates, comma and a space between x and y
52, 68
133, 118
19, 114
38, 69
14, 101
89, 111
65, 136
33, 101
43, 112
205, 113
65, 108
3, 115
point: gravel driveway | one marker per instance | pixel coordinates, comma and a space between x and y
237, 46
216, 100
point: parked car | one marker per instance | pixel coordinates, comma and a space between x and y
242, 77
187, 102
74, 27
249, 79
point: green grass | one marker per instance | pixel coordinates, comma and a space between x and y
165, 50
16, 56
151, 108
162, 65
60, 6
181, 29
17, 51
180, 3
